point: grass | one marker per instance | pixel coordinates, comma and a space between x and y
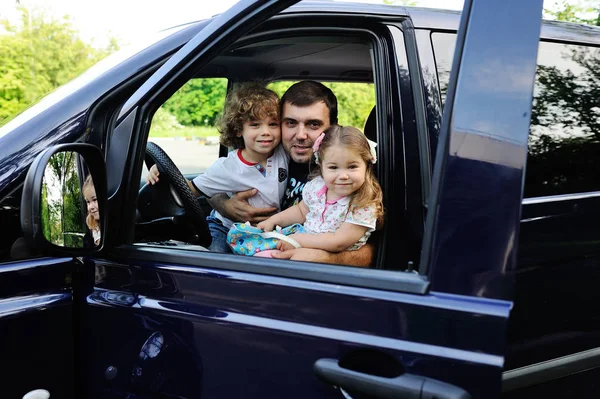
185, 132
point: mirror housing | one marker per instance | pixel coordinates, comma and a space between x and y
55, 216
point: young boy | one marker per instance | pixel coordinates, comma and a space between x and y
250, 124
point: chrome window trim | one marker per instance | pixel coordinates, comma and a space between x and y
561, 197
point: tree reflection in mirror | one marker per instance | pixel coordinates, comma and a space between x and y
69, 210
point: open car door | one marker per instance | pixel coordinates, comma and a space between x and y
163, 322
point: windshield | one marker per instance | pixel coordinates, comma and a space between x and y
86, 77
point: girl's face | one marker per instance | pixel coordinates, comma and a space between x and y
92, 202
343, 170
260, 138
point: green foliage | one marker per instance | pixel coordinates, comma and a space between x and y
580, 11
163, 120
62, 212
280, 87
184, 131
199, 102
355, 100
45, 211
38, 55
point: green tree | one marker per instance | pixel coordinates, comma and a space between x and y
198, 102
355, 100
580, 11
39, 54
45, 208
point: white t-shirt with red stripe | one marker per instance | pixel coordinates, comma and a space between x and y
233, 173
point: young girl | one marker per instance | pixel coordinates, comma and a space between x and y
93, 217
342, 204
250, 124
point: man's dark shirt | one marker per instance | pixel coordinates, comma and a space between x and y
297, 178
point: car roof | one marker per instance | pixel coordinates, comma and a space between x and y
445, 20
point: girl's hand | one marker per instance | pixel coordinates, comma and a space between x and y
152, 176
266, 225
284, 246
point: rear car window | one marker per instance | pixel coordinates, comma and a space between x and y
564, 140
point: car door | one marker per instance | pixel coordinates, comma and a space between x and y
36, 337
175, 323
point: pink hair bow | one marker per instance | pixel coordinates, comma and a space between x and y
316, 146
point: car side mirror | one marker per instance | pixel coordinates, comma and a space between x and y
63, 207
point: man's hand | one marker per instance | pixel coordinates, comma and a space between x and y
362, 257
152, 176
303, 254
284, 246
237, 208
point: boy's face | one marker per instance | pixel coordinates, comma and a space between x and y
260, 138
300, 128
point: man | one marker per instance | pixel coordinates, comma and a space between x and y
307, 109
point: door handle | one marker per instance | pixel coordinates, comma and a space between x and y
405, 386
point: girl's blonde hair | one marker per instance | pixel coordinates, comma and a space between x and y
89, 220
352, 139
250, 102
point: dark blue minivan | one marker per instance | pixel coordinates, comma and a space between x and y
483, 281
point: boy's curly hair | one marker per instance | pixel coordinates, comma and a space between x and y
250, 102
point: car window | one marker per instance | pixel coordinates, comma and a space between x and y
185, 126
558, 237
564, 142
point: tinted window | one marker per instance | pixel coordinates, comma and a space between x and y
565, 125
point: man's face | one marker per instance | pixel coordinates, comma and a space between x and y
300, 127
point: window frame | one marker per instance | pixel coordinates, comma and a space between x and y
579, 195
383, 52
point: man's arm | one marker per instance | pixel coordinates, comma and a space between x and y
237, 208
362, 257
338, 241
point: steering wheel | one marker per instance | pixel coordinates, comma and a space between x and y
180, 195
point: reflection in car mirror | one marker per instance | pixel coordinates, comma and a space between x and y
62, 207
70, 216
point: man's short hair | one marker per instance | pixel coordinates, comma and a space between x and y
308, 92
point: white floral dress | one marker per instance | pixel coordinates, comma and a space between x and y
327, 216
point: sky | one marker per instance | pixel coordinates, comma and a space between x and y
130, 20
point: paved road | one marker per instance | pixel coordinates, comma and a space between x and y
189, 156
